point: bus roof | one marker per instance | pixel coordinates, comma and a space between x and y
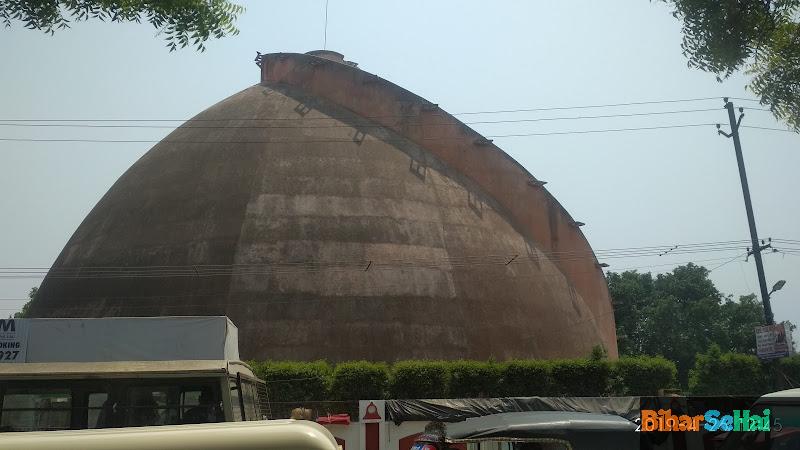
122, 369
787, 396
261, 435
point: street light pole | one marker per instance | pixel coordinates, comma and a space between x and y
756, 249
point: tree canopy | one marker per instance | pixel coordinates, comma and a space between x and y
680, 314
761, 37
26, 308
181, 22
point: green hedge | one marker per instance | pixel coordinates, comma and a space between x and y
717, 373
359, 380
473, 379
290, 381
419, 379
789, 371
294, 381
643, 375
527, 378
581, 377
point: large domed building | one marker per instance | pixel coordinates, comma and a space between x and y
334, 215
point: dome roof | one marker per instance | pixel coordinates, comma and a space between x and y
331, 214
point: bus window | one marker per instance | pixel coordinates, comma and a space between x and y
200, 405
36, 409
96, 403
151, 405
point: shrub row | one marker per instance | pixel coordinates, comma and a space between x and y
317, 381
718, 373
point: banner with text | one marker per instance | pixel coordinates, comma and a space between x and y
13, 340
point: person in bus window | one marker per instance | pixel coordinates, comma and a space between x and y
207, 409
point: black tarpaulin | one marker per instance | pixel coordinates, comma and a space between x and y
456, 410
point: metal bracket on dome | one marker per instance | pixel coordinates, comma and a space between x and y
359, 136
429, 107
475, 204
302, 109
259, 59
536, 183
418, 169
482, 142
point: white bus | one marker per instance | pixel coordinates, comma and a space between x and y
74, 373
64, 396
260, 435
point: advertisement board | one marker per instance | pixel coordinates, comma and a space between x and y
774, 341
13, 340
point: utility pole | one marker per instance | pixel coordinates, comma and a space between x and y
756, 249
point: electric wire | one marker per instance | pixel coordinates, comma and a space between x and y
497, 111
752, 127
312, 266
347, 125
727, 262
343, 141
128, 299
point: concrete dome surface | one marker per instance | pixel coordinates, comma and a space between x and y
334, 215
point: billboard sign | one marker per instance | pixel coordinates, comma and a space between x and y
774, 341
13, 340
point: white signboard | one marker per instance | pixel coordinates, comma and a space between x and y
774, 341
13, 340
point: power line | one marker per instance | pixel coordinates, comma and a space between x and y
746, 99
498, 111
606, 130
648, 250
370, 125
283, 268
229, 295
752, 127
343, 141
607, 105
727, 262
652, 250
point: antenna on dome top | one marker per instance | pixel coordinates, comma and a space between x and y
325, 36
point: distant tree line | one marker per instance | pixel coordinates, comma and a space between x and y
679, 315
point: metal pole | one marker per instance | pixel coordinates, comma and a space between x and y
762, 282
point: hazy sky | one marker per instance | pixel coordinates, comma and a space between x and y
633, 189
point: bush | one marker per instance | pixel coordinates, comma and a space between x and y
419, 379
581, 377
359, 380
643, 375
290, 381
717, 373
526, 378
789, 371
473, 379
